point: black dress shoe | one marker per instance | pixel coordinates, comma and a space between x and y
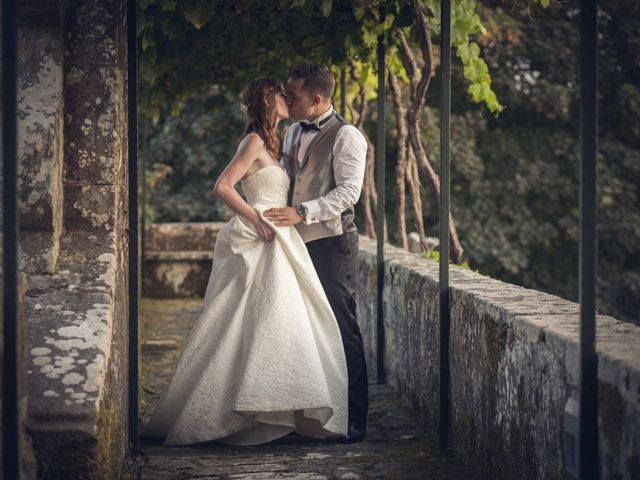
353, 438
354, 435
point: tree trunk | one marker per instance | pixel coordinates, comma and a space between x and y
369, 198
414, 187
419, 87
401, 162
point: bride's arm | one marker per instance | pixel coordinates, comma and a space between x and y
224, 189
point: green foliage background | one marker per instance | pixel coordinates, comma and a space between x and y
514, 176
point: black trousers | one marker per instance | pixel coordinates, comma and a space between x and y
336, 262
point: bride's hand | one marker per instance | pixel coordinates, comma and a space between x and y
264, 229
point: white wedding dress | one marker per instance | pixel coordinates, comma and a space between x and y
265, 357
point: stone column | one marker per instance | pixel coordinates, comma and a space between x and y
74, 189
95, 124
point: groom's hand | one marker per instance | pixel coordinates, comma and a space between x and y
281, 217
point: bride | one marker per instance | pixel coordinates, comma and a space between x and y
265, 357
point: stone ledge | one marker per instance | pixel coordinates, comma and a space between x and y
178, 257
535, 313
514, 364
71, 315
179, 236
174, 256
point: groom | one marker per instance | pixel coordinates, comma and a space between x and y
325, 157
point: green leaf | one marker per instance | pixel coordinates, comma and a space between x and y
369, 37
479, 91
493, 104
198, 15
325, 7
477, 72
468, 52
462, 51
364, 74
147, 42
168, 5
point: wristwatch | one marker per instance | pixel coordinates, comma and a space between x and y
302, 211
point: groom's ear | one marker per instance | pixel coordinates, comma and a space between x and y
317, 99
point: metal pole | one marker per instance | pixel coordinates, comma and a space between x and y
588, 424
143, 196
380, 151
445, 137
132, 121
10, 436
343, 93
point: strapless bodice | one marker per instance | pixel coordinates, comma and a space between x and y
267, 187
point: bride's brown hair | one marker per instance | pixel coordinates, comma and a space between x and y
259, 99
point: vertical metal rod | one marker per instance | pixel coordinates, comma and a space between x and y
343, 93
445, 113
588, 424
132, 123
380, 157
143, 195
10, 306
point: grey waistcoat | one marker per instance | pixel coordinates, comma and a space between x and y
314, 177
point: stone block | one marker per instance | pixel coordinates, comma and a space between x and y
89, 207
181, 236
91, 140
91, 32
39, 128
39, 251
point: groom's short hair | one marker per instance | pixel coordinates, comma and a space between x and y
317, 78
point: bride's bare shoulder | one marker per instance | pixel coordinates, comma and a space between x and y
251, 140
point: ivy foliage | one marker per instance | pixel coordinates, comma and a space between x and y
188, 45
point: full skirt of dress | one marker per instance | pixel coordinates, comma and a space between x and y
265, 356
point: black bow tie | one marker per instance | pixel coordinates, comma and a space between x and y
312, 126
309, 126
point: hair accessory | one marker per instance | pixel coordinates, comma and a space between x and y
244, 108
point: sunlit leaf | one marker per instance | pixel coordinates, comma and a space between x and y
325, 7
199, 15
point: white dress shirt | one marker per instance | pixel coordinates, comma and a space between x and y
349, 159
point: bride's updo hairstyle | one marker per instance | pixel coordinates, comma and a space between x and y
259, 103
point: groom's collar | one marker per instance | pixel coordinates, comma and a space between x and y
320, 118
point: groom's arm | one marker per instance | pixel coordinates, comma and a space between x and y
349, 159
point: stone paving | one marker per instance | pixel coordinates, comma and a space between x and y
396, 447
